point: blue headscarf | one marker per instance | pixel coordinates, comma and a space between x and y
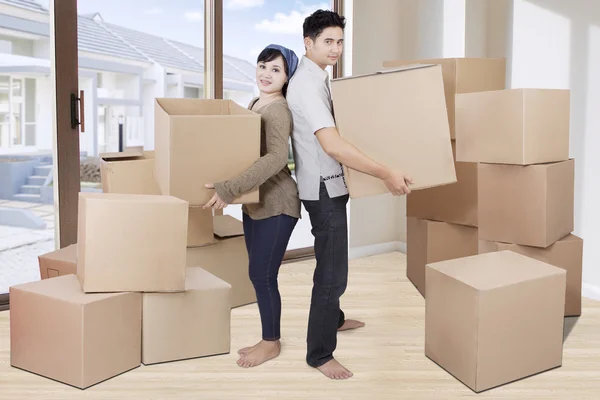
290, 58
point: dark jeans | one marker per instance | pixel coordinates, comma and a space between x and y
330, 228
266, 241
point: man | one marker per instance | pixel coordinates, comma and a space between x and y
319, 153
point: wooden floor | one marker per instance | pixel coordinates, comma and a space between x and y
386, 356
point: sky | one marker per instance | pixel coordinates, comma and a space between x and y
248, 25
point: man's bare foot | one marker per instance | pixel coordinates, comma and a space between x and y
264, 351
351, 324
334, 370
248, 349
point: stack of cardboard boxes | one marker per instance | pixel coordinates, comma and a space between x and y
153, 276
442, 221
497, 315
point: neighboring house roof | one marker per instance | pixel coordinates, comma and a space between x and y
29, 4
99, 37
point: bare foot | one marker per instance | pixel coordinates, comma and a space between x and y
334, 370
264, 351
248, 349
351, 324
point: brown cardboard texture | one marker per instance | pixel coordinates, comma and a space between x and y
494, 318
455, 203
227, 259
128, 173
464, 75
567, 254
133, 173
200, 227
195, 323
529, 205
79, 339
400, 120
515, 126
201, 141
227, 226
59, 262
131, 242
432, 241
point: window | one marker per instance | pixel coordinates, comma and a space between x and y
248, 27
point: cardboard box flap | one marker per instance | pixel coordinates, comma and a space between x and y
227, 226
197, 278
66, 254
387, 71
201, 107
66, 287
130, 198
118, 156
493, 270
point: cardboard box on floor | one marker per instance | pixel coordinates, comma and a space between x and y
398, 118
79, 339
59, 262
567, 254
494, 318
133, 173
131, 242
454, 203
463, 75
515, 126
529, 205
195, 323
200, 141
227, 259
432, 241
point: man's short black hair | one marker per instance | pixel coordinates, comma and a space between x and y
320, 20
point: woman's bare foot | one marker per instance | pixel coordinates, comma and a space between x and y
334, 370
248, 349
351, 324
264, 351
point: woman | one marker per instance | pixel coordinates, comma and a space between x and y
268, 225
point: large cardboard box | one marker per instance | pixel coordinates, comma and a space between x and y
227, 259
494, 318
433, 241
398, 118
195, 323
131, 242
567, 254
59, 262
455, 203
79, 339
464, 75
529, 205
514, 126
128, 173
133, 173
203, 141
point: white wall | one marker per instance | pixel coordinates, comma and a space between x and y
556, 44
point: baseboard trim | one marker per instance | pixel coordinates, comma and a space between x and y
590, 291
382, 248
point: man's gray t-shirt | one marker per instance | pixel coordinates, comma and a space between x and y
309, 99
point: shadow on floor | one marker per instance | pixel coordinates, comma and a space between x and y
569, 325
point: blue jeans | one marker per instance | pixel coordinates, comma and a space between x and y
330, 228
266, 241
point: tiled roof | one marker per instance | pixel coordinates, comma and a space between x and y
29, 4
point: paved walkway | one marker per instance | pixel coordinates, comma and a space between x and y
20, 247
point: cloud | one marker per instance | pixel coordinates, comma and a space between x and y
242, 4
154, 11
194, 16
290, 24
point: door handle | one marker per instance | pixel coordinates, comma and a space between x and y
78, 115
